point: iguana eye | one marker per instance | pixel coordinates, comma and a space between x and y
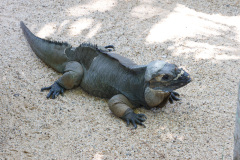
165, 77
158, 78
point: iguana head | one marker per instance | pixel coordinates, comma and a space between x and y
162, 78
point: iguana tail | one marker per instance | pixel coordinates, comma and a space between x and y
52, 53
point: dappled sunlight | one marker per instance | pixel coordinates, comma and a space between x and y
97, 5
181, 138
62, 26
163, 127
169, 136
47, 30
94, 30
78, 26
227, 57
205, 55
75, 28
183, 22
146, 11
98, 156
197, 33
204, 51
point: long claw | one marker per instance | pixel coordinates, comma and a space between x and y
141, 119
174, 97
171, 100
49, 94
62, 91
143, 115
45, 88
128, 122
139, 122
175, 93
57, 94
134, 124
53, 95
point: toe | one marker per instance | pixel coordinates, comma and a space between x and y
45, 88
50, 93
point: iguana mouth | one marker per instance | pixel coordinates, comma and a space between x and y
182, 79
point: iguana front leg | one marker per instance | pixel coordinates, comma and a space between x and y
122, 108
72, 77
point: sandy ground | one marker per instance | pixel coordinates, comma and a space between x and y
201, 36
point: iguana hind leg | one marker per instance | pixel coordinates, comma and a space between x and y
122, 108
72, 77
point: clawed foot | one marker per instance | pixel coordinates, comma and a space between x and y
173, 97
110, 48
55, 90
134, 119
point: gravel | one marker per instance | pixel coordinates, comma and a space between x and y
201, 36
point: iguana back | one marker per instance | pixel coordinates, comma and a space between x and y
107, 74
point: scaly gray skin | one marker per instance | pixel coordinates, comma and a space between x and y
102, 73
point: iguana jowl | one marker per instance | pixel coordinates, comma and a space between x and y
102, 73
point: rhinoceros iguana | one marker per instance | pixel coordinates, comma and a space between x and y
102, 73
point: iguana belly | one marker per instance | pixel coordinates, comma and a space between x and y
100, 78
101, 90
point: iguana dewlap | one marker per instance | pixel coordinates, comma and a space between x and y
102, 73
